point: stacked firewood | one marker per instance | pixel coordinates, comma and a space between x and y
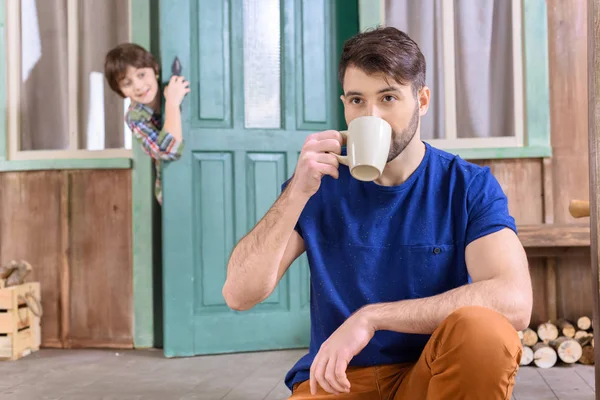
559, 342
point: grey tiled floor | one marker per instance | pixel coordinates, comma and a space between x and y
146, 374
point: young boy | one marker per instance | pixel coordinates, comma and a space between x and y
132, 72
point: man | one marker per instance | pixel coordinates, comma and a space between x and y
418, 280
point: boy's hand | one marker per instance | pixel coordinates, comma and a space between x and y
176, 90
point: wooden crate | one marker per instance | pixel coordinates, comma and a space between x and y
20, 332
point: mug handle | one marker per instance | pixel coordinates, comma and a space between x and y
343, 159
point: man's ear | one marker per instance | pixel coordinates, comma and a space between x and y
424, 97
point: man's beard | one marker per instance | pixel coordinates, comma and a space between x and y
400, 141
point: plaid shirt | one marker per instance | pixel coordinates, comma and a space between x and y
157, 143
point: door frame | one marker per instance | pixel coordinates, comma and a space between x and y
145, 214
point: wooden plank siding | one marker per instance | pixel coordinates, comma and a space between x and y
74, 227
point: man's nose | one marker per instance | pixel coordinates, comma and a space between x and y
373, 111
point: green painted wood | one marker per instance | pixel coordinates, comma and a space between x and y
536, 71
212, 76
3, 127
370, 14
537, 81
95, 163
502, 153
315, 92
230, 175
142, 198
178, 216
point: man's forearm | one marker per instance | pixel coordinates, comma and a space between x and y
254, 263
423, 316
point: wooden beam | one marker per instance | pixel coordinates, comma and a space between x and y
558, 252
554, 235
593, 31
65, 245
551, 262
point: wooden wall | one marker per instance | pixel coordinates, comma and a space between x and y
539, 191
74, 227
569, 120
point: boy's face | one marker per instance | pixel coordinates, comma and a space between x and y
139, 84
387, 99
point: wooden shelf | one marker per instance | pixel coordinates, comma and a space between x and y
554, 235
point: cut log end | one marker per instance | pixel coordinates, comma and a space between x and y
584, 323
530, 338
565, 328
544, 356
547, 332
568, 350
527, 356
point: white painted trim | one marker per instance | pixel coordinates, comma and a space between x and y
449, 53
518, 66
13, 74
72, 74
474, 143
72, 154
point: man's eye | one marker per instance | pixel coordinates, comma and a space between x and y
355, 101
141, 75
389, 98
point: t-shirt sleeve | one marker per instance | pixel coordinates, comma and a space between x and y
487, 207
297, 228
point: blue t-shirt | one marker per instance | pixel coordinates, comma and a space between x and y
368, 243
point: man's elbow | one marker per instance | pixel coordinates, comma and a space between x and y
521, 317
238, 302
521, 321
234, 302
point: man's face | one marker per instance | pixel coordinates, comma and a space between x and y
387, 99
140, 85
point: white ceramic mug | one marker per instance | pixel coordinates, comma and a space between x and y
368, 141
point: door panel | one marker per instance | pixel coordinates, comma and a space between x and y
263, 77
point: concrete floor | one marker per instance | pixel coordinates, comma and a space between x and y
146, 374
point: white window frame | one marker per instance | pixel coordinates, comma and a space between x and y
451, 141
13, 57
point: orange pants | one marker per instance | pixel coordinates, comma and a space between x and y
474, 354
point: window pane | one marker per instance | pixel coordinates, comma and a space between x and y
484, 68
103, 24
43, 96
262, 72
483, 61
422, 21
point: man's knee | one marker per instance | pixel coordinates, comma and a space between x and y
482, 332
475, 350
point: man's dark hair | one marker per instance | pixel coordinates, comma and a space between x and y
124, 55
388, 51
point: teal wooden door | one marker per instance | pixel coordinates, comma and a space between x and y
263, 77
